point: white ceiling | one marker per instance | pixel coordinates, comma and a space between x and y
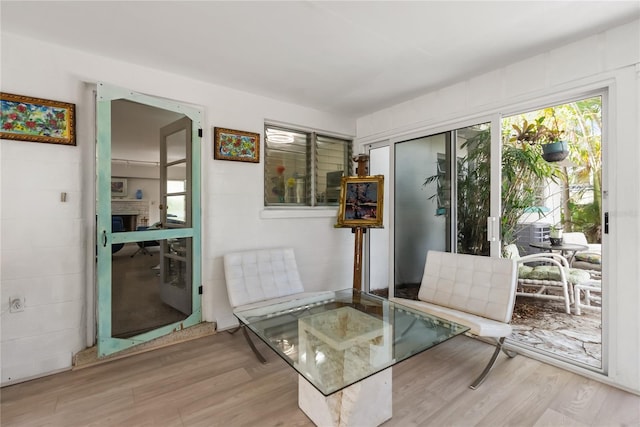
349, 58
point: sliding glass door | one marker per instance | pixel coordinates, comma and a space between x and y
560, 192
477, 188
441, 199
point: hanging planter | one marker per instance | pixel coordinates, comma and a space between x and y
555, 151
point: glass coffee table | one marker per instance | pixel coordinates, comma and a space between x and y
343, 345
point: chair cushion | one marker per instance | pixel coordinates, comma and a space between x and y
484, 286
587, 266
577, 275
549, 272
480, 326
259, 275
589, 257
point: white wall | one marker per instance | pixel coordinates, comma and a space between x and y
47, 245
610, 59
378, 238
150, 193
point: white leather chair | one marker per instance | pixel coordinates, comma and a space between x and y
475, 291
262, 277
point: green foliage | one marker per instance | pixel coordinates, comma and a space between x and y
586, 218
526, 132
473, 191
474, 175
582, 123
523, 172
537, 132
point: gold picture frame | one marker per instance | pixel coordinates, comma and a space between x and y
25, 118
230, 144
361, 201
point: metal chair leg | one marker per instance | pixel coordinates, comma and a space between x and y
252, 345
510, 353
492, 362
401, 335
248, 338
233, 331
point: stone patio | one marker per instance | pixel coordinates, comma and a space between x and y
544, 326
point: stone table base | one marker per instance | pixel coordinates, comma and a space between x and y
365, 403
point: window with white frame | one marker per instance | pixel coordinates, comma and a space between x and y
176, 208
303, 168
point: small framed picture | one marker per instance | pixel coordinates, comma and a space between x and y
236, 145
361, 201
118, 187
37, 120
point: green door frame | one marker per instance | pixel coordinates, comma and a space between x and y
105, 95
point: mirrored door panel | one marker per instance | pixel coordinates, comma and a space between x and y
144, 218
136, 305
442, 200
175, 187
472, 188
422, 205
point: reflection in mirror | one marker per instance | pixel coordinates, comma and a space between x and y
176, 210
175, 271
137, 305
135, 157
176, 195
176, 150
177, 172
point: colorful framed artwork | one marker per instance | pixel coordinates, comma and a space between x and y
361, 201
236, 145
37, 120
118, 187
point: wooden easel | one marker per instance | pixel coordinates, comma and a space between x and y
362, 170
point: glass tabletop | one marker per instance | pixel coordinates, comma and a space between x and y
560, 247
341, 337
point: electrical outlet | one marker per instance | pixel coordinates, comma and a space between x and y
16, 304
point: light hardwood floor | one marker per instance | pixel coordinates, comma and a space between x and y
217, 381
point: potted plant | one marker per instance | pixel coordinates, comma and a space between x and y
554, 149
555, 235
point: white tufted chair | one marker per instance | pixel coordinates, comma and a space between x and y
261, 277
475, 291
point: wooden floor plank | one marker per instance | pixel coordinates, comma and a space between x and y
217, 381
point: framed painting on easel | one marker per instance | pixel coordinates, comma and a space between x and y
361, 201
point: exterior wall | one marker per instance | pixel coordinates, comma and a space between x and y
607, 60
47, 246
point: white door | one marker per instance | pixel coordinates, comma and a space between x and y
175, 213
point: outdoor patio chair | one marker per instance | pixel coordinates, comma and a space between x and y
546, 276
587, 293
590, 259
